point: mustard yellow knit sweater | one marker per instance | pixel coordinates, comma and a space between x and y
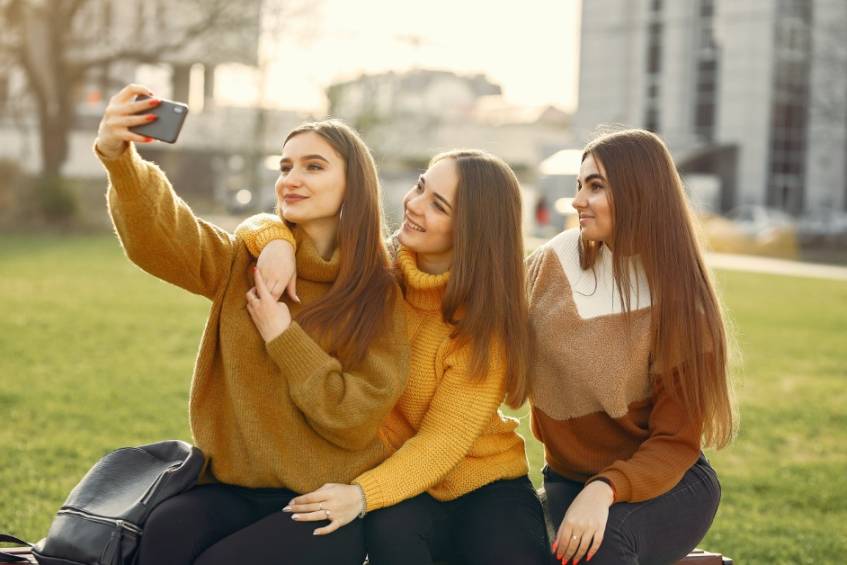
446, 433
282, 414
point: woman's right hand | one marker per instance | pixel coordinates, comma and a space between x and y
278, 269
113, 133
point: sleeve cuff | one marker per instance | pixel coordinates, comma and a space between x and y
374, 497
297, 354
618, 481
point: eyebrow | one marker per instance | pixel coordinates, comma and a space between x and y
422, 181
591, 177
312, 157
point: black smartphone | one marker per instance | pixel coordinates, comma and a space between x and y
171, 115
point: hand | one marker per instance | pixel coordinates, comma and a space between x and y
271, 317
340, 504
113, 132
278, 268
584, 523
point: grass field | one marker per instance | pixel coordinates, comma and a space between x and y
95, 354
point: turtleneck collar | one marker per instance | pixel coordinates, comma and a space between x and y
423, 290
310, 265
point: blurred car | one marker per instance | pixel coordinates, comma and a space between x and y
823, 227
752, 230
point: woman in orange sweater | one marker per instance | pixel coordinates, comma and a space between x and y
629, 369
456, 483
285, 396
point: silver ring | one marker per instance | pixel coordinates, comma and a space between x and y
574, 537
327, 514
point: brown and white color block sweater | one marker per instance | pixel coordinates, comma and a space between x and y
597, 404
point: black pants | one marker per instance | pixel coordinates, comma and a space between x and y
501, 522
656, 531
223, 524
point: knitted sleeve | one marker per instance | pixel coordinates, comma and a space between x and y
159, 232
457, 415
259, 230
662, 459
345, 406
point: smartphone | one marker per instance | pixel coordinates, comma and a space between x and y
171, 115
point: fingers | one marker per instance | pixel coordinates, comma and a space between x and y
129, 92
312, 516
131, 120
334, 525
584, 543
595, 545
276, 288
292, 289
261, 287
314, 497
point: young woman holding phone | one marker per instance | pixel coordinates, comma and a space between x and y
286, 396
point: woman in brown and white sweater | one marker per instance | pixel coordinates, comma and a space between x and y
629, 371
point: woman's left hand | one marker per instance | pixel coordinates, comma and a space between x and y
271, 317
340, 504
584, 523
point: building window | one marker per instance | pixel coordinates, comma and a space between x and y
706, 81
654, 69
789, 106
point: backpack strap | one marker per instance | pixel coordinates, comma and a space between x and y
11, 557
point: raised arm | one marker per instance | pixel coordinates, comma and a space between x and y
158, 231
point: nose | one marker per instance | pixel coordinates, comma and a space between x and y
413, 204
291, 179
580, 202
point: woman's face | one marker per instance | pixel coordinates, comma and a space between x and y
592, 201
311, 183
428, 211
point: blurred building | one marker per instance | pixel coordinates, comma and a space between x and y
409, 117
222, 150
752, 94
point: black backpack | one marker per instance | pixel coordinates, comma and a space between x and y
102, 520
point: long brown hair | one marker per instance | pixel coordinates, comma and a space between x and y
485, 299
355, 309
653, 219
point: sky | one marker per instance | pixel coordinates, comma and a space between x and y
530, 48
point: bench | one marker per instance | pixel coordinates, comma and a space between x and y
696, 557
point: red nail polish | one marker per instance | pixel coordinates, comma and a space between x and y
148, 139
155, 102
152, 117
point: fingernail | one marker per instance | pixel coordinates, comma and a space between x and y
155, 101
315, 533
295, 516
555, 545
148, 139
287, 509
152, 117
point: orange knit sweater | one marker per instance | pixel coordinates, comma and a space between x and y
281, 414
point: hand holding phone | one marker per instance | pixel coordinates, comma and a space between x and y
170, 116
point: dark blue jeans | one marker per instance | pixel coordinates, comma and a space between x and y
653, 532
219, 524
502, 522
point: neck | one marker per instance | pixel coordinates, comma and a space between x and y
323, 234
435, 264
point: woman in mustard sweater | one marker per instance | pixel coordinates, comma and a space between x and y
286, 396
456, 483
629, 370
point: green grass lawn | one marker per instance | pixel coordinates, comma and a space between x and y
95, 354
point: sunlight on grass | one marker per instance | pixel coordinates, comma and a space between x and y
95, 354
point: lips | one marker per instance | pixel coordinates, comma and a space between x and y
292, 198
413, 226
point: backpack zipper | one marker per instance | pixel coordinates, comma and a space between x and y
103, 520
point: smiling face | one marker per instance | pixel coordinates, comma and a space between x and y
428, 212
593, 201
311, 183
